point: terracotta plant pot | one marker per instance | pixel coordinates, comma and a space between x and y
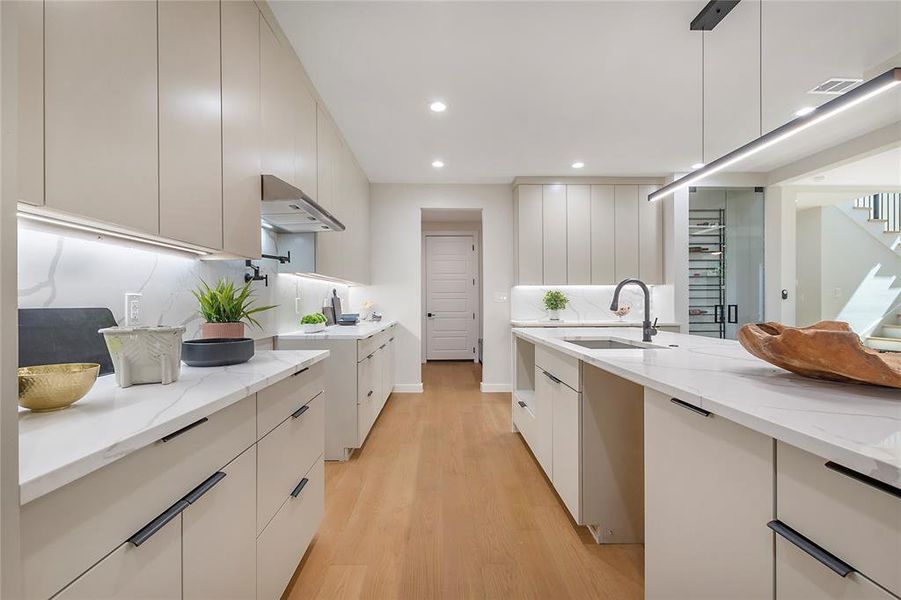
222, 330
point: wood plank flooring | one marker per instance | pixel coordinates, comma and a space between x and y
443, 501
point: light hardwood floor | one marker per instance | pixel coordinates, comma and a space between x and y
443, 501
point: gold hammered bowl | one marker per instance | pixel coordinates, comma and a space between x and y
43, 388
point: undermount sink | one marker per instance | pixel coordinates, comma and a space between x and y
609, 344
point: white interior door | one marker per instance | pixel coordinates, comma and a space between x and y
451, 297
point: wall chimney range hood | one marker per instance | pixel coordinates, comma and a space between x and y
288, 210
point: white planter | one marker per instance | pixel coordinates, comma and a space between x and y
553, 315
144, 354
312, 327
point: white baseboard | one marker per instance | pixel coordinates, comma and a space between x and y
408, 388
494, 387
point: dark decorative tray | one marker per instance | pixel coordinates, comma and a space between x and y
216, 352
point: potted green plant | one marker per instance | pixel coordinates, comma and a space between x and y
313, 322
226, 309
554, 302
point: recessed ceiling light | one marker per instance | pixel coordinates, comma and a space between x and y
438, 164
578, 164
819, 177
438, 106
804, 111
697, 165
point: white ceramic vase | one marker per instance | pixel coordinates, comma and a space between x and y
312, 327
553, 315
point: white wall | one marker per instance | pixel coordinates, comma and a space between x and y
809, 262
779, 254
397, 269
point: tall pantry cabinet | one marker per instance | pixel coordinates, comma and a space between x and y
586, 233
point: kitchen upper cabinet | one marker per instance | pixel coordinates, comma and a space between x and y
150, 570
603, 235
219, 534
304, 105
241, 135
328, 166
527, 235
100, 77
650, 238
190, 122
28, 18
553, 230
276, 111
625, 222
578, 234
708, 496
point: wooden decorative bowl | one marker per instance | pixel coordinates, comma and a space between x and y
827, 350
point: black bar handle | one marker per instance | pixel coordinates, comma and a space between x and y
300, 411
369, 394
370, 356
864, 479
146, 532
211, 481
299, 487
184, 429
383, 345
818, 552
732, 313
300, 372
392, 339
691, 407
551, 377
522, 404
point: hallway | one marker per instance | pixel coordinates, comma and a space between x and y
443, 501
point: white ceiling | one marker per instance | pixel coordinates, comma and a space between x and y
533, 86
882, 169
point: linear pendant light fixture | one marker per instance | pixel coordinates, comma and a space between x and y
861, 93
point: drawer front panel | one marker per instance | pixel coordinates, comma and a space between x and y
282, 544
858, 523
285, 454
277, 402
563, 367
525, 422
134, 490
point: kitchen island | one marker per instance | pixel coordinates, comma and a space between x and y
731, 448
124, 494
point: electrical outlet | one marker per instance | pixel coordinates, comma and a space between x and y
132, 309
837, 292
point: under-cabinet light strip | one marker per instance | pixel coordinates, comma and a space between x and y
861, 93
106, 233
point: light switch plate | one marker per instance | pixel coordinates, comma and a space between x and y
501, 296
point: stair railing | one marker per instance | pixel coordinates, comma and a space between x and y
884, 206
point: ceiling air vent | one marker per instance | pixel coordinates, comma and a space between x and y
835, 86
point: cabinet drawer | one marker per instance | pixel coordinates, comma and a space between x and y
285, 454
283, 543
368, 345
524, 420
151, 570
278, 401
133, 491
563, 367
858, 523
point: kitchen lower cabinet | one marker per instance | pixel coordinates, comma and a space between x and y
151, 570
178, 518
566, 443
542, 409
708, 494
219, 534
359, 375
848, 516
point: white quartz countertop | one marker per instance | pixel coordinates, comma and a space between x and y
362, 330
564, 323
857, 426
110, 422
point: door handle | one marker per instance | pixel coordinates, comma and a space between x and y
718, 313
864, 479
817, 552
430, 315
691, 407
299, 488
211, 481
522, 404
184, 429
732, 313
551, 377
300, 411
158, 523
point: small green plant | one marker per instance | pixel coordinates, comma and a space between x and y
555, 300
313, 319
225, 303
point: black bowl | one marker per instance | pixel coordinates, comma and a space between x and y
216, 352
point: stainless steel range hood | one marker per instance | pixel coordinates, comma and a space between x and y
288, 210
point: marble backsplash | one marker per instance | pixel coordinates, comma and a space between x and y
60, 267
591, 302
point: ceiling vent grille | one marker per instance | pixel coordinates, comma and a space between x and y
835, 86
